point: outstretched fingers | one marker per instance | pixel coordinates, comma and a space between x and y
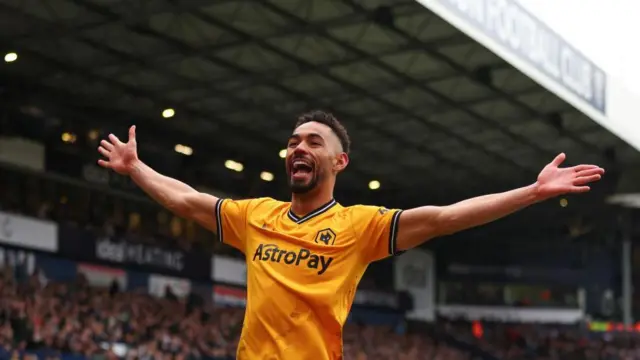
590, 172
587, 174
103, 151
104, 164
581, 168
107, 145
114, 140
587, 179
580, 189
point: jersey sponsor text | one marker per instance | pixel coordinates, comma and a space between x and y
272, 253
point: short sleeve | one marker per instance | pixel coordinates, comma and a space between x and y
231, 219
376, 229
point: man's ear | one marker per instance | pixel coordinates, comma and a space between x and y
341, 162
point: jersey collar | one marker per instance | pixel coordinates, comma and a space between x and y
322, 209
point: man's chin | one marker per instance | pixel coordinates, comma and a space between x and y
301, 187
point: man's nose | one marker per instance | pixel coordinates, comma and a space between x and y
301, 149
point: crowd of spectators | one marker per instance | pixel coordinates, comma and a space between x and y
49, 319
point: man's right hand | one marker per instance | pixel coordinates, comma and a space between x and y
121, 157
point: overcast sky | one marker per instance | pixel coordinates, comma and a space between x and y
602, 30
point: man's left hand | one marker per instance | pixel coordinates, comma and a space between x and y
554, 181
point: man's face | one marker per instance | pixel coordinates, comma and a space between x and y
311, 156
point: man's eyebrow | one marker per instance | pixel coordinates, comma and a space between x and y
311, 135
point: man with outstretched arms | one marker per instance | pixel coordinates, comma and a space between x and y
305, 257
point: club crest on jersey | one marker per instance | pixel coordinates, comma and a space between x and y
302, 257
326, 236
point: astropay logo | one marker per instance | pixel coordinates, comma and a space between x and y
302, 257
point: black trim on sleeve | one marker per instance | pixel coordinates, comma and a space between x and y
219, 219
393, 233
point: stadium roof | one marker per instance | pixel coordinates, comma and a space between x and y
433, 115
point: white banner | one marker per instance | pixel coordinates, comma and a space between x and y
414, 272
511, 314
29, 233
228, 270
159, 284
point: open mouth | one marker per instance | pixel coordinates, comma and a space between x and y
301, 168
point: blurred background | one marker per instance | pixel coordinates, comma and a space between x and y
443, 99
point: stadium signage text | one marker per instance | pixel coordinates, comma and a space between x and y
121, 252
272, 253
82, 245
513, 27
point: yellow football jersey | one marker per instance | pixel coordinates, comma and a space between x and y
302, 272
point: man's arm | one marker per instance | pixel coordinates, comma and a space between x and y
176, 196
418, 225
423, 223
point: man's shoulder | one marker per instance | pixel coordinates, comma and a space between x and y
256, 200
267, 203
360, 209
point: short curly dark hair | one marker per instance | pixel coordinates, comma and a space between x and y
332, 122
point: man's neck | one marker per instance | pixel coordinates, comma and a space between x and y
303, 204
